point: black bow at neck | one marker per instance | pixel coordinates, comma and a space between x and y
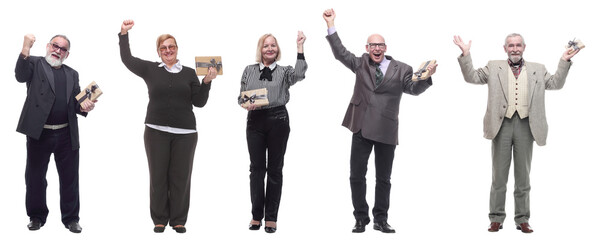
267, 73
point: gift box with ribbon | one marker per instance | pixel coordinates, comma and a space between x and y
422, 73
91, 92
257, 97
203, 63
574, 45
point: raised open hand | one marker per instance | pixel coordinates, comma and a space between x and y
463, 47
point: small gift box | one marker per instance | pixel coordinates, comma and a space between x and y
91, 92
422, 73
574, 45
203, 63
257, 96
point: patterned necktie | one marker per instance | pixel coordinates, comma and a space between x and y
378, 75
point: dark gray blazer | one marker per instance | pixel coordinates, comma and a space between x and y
374, 110
37, 74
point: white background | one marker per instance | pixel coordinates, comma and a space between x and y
442, 169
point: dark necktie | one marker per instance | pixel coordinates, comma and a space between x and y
378, 75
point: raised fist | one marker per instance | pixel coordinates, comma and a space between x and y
126, 26
329, 16
28, 41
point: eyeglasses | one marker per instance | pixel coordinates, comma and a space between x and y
170, 47
375, 45
55, 47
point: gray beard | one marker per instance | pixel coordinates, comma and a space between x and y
515, 59
53, 62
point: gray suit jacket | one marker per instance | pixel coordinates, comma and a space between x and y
37, 74
495, 74
374, 110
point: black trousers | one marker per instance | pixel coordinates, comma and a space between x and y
57, 142
170, 160
267, 131
359, 158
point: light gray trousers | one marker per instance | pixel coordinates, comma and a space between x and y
514, 139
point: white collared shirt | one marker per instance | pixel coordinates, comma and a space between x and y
261, 66
175, 69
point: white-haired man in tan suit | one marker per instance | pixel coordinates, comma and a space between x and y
514, 118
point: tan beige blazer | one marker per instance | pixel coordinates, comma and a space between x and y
494, 74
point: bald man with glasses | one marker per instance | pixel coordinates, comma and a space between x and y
372, 116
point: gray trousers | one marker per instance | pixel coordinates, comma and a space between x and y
170, 159
514, 139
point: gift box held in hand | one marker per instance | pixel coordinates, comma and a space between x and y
422, 73
203, 63
91, 92
257, 97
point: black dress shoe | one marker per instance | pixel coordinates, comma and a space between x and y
255, 226
270, 229
74, 227
383, 226
179, 229
159, 229
34, 224
360, 226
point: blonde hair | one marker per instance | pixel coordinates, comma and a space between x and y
163, 38
261, 42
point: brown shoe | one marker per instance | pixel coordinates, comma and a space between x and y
494, 227
525, 228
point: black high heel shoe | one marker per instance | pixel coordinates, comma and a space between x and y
270, 229
255, 226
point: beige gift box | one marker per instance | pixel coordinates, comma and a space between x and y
574, 45
423, 73
203, 63
91, 92
257, 96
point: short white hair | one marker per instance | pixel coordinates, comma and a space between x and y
514, 35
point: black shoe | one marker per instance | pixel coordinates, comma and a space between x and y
74, 227
255, 226
383, 226
179, 229
159, 229
34, 224
270, 229
360, 226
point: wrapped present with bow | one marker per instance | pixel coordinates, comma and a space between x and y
257, 97
91, 92
422, 73
574, 45
203, 63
